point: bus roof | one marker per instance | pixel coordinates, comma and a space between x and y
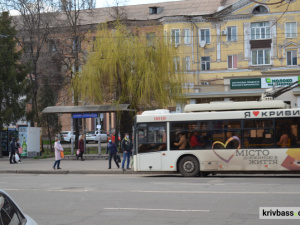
230, 106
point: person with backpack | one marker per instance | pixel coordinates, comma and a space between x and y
112, 149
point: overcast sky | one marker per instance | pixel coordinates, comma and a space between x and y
105, 3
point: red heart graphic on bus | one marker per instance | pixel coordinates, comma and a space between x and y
224, 145
255, 113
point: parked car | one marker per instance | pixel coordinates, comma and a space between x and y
10, 213
94, 136
67, 136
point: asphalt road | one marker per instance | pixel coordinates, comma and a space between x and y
151, 199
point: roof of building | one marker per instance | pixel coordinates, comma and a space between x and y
142, 12
165, 9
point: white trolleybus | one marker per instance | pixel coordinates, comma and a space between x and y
228, 137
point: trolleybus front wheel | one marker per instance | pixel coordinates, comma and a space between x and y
189, 166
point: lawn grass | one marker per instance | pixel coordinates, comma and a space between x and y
67, 151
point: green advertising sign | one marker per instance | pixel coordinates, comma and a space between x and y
245, 83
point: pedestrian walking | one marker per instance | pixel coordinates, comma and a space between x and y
126, 146
58, 149
80, 148
112, 150
18, 146
12, 146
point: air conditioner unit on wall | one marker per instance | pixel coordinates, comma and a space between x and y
223, 32
202, 44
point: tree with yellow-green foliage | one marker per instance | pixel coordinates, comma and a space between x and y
123, 68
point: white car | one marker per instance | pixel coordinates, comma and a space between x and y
94, 136
67, 136
10, 213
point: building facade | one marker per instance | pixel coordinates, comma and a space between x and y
237, 42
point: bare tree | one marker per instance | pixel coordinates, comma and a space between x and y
72, 32
34, 24
117, 10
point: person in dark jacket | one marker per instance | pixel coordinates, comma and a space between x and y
81, 148
12, 151
126, 146
112, 150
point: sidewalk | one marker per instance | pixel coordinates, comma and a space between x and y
92, 165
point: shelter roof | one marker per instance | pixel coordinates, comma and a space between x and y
87, 108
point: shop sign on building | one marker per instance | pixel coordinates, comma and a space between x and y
266, 82
278, 81
245, 83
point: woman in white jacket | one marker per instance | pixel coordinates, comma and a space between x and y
57, 148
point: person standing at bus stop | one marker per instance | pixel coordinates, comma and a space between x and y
58, 148
126, 146
112, 150
80, 148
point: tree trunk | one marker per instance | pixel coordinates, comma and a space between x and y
49, 135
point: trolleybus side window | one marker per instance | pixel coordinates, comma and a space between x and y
287, 133
223, 131
258, 133
190, 135
152, 137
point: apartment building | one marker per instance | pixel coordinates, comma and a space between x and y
232, 45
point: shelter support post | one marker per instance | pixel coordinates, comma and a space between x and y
72, 132
99, 140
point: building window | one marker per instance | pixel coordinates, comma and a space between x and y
291, 58
52, 46
261, 57
260, 10
175, 35
150, 37
205, 63
76, 44
205, 35
187, 63
27, 47
231, 34
153, 10
290, 29
232, 61
187, 36
176, 61
260, 31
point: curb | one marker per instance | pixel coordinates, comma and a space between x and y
80, 172
66, 172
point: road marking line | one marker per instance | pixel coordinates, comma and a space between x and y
168, 210
216, 192
209, 184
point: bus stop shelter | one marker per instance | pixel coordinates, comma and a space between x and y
86, 111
